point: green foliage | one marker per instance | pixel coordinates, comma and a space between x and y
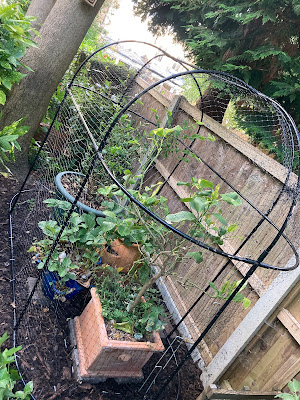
91, 41
126, 221
205, 221
257, 41
191, 87
294, 387
8, 142
117, 292
226, 291
205, 218
128, 225
77, 249
15, 34
121, 149
10, 376
24, 4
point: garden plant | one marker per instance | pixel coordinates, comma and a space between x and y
80, 244
186, 193
16, 36
10, 376
294, 387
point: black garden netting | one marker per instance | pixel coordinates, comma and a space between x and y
207, 195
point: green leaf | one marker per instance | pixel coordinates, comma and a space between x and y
111, 216
65, 205
6, 65
7, 82
180, 217
2, 97
28, 387
294, 386
124, 326
286, 396
196, 255
212, 285
246, 303
231, 228
232, 198
124, 230
105, 225
220, 218
89, 220
14, 374
12, 351
3, 338
199, 204
204, 183
179, 183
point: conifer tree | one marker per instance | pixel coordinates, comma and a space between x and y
258, 41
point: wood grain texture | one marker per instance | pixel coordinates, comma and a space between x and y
222, 394
291, 324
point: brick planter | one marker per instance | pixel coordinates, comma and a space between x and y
100, 357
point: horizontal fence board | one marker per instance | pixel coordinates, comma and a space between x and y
222, 394
266, 163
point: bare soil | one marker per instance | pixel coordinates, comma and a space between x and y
89, 196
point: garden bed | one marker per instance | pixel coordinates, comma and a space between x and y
46, 357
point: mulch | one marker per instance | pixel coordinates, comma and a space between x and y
46, 354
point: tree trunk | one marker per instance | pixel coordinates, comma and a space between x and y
61, 35
40, 10
214, 103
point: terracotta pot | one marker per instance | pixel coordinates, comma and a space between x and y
100, 357
123, 257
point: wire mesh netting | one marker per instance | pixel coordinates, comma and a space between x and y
203, 198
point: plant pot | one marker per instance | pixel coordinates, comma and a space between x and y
72, 286
50, 278
123, 257
100, 357
62, 193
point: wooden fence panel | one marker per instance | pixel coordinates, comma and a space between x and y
259, 178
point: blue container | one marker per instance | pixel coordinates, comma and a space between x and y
49, 289
50, 278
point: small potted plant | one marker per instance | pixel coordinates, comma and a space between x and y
70, 265
128, 240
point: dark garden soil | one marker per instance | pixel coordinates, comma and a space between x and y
46, 354
89, 196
